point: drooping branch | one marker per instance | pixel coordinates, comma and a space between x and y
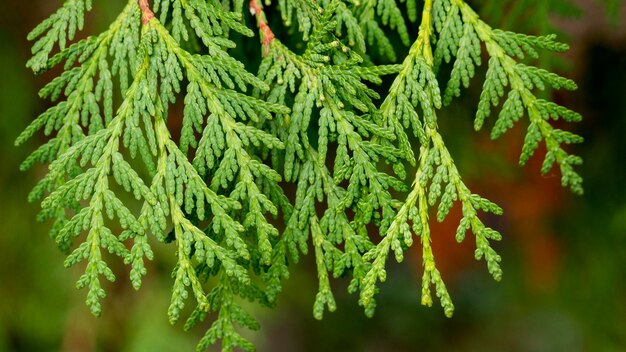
255, 142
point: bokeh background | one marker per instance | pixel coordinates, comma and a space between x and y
564, 256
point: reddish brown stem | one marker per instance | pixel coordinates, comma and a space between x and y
267, 36
146, 13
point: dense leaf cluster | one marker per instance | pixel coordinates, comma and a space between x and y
368, 171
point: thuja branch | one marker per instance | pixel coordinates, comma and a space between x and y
505, 49
313, 119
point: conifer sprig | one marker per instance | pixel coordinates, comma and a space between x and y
326, 80
461, 32
101, 150
57, 29
119, 176
437, 179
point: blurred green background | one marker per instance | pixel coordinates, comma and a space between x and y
564, 257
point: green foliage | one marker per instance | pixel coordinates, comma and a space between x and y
458, 22
315, 119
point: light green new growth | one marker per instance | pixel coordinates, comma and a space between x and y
310, 117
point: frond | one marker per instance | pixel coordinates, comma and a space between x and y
462, 31
368, 164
